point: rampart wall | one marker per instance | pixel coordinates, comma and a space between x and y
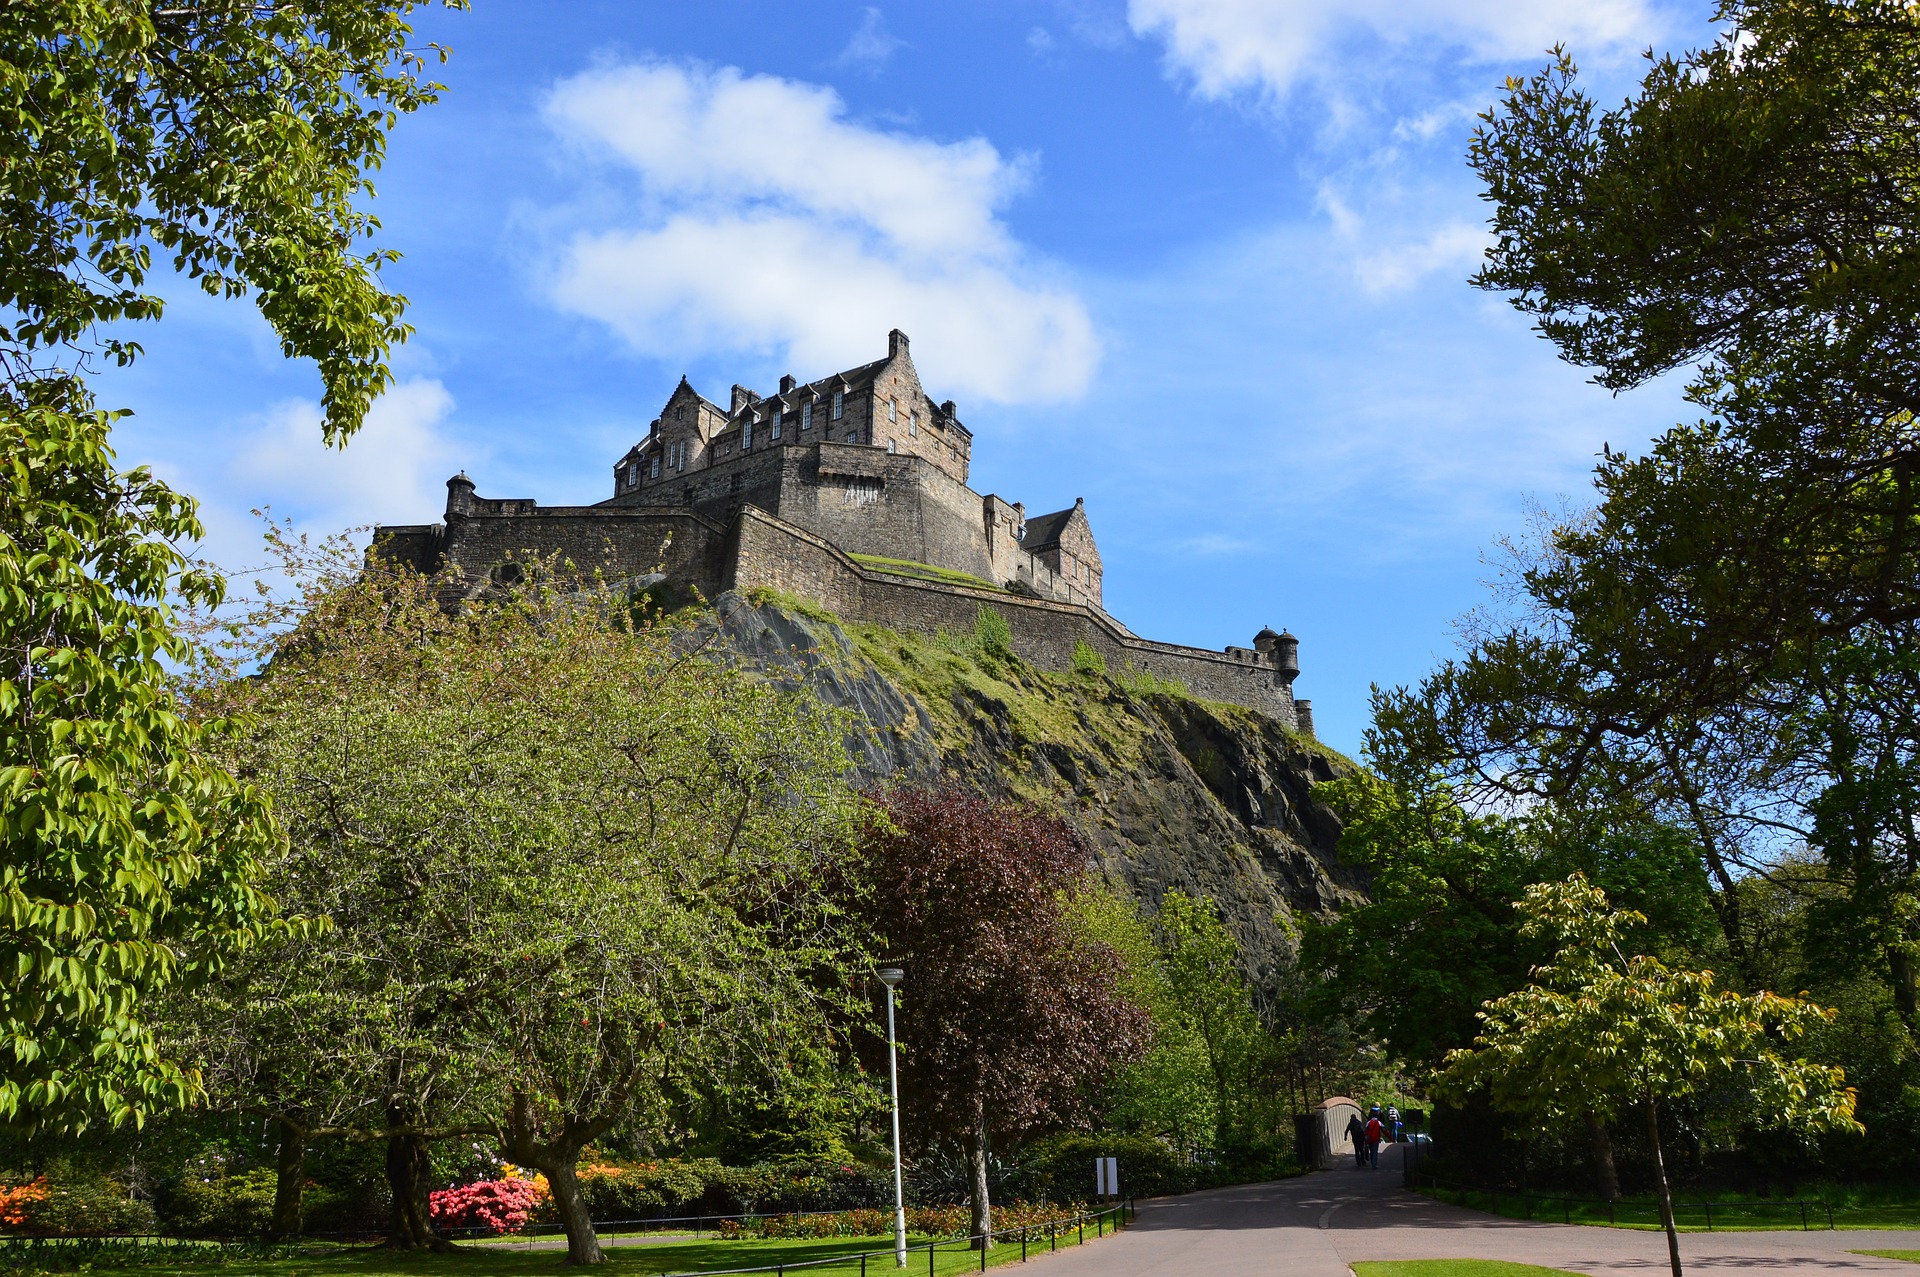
767, 553
756, 550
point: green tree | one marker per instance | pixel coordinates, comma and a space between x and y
234, 139
577, 867
1600, 1032
128, 857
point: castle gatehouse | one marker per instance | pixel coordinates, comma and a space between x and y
850, 491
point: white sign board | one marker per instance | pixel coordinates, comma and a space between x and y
1106, 1177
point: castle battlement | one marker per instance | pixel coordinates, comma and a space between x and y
852, 490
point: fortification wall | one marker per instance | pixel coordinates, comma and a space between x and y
768, 553
626, 541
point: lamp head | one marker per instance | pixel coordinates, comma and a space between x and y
892, 977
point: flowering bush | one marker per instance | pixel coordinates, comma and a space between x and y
497, 1205
17, 1201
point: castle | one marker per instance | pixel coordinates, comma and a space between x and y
852, 491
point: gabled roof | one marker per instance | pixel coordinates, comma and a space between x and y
1044, 530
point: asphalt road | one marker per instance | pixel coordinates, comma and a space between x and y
1317, 1225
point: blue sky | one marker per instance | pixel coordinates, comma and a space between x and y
1201, 262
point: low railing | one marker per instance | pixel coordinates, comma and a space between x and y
1118, 1216
1808, 1213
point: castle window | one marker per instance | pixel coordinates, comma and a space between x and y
773, 426
893, 410
806, 415
839, 404
633, 474
654, 471
733, 483
892, 446
746, 434
913, 423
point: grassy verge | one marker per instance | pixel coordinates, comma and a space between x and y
1911, 1256
924, 571
1450, 1268
1729, 1216
504, 1258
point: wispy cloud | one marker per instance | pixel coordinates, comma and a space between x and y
1455, 247
871, 44
765, 219
1270, 48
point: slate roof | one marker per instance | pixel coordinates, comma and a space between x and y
1044, 530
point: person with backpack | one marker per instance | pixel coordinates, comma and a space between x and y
1375, 1130
1393, 1123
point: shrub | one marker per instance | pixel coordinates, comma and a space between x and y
1087, 661
496, 1205
237, 1205
63, 1204
1062, 1167
992, 633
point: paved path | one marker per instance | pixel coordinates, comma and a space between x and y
1317, 1225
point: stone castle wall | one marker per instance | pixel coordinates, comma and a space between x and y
756, 549
771, 554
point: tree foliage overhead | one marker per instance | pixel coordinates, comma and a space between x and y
231, 137
128, 857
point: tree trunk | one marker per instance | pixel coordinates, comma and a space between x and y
1660, 1178
982, 1209
1901, 977
583, 1244
1600, 1149
407, 1172
290, 1168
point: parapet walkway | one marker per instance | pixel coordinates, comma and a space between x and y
1317, 1225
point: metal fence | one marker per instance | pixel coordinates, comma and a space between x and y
1113, 1217
1547, 1205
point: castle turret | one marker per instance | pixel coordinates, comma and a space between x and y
459, 494
1286, 656
1303, 717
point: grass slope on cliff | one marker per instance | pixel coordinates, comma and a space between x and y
1175, 792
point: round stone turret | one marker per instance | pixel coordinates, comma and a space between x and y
1282, 652
459, 494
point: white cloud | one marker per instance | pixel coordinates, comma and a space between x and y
871, 44
1268, 48
1455, 247
766, 219
395, 465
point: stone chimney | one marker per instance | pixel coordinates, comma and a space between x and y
948, 410
742, 397
896, 344
787, 383
459, 494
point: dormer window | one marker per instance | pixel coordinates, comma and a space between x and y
746, 434
653, 471
773, 425
632, 473
839, 404
806, 415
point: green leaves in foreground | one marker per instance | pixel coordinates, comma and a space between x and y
126, 856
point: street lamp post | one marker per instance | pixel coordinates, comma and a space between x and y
892, 978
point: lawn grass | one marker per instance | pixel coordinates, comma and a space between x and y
1451, 1268
1911, 1256
505, 1258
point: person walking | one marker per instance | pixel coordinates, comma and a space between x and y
1393, 1123
1357, 1136
1375, 1130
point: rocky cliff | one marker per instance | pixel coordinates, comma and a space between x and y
1174, 792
